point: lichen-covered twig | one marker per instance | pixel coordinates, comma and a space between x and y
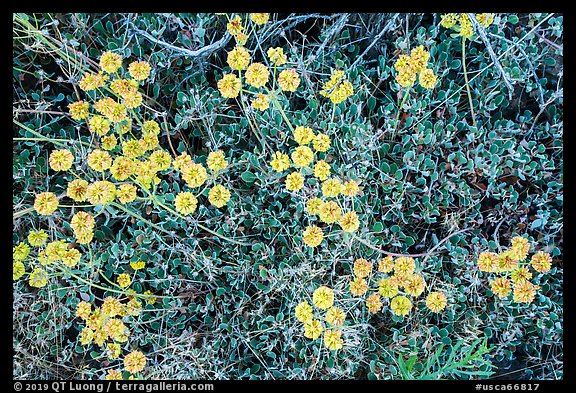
488, 45
204, 51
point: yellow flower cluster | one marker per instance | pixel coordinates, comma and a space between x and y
333, 318
397, 280
52, 252
256, 74
414, 66
513, 270
338, 88
105, 327
462, 24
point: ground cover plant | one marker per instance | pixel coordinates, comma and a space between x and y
288, 196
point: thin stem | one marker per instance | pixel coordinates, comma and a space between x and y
467, 84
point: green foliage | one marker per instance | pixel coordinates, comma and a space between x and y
228, 308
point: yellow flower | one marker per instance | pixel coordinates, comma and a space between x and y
406, 78
277, 56
321, 142
148, 142
101, 192
78, 110
303, 312
139, 70
323, 297
449, 20
501, 287
238, 58
46, 203
18, 270
85, 237
294, 181
358, 286
38, 278
488, 262
234, 27
109, 142
20, 252
404, 265
338, 88
216, 161
124, 87
111, 306
259, 19
162, 160
333, 339
113, 350
520, 273
185, 203
138, 265
229, 86
331, 188
541, 261
373, 303
436, 301
419, 58
83, 310
387, 287
330, 212
289, 80
257, 75
61, 160
91, 81
71, 257
122, 168
77, 190
312, 236
99, 160
219, 195
194, 175
55, 251
110, 62
402, 63
400, 305
322, 170
132, 100
507, 261
123, 280
132, 149
37, 238
524, 291
485, 19
428, 79
386, 264
313, 329
99, 125
86, 335
350, 188
134, 362
151, 127
303, 135
313, 205
280, 161
466, 29
349, 221
414, 285
261, 102
521, 247
362, 268
335, 316
113, 375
